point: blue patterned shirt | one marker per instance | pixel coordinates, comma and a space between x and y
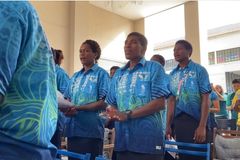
85, 88
131, 89
27, 73
62, 79
212, 97
62, 83
187, 85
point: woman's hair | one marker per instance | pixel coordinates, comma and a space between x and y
159, 58
218, 86
94, 47
187, 45
59, 56
114, 67
236, 81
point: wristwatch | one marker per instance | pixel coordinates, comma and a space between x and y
129, 114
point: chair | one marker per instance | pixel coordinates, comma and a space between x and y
225, 124
63, 143
193, 151
74, 155
226, 144
100, 158
108, 147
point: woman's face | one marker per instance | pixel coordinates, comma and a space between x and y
181, 53
218, 89
87, 56
133, 48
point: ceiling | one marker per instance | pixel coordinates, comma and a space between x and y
136, 9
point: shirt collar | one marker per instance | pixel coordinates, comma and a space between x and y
190, 63
142, 62
94, 68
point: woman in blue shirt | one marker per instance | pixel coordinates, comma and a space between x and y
136, 96
87, 90
62, 83
223, 114
28, 102
188, 103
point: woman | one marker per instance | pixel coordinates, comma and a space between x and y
135, 97
188, 102
87, 90
222, 102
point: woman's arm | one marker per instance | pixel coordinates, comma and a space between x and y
216, 107
148, 109
98, 105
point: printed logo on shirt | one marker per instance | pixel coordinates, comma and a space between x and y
158, 147
93, 79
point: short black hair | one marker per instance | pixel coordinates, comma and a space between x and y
114, 67
236, 81
187, 45
159, 59
94, 47
141, 38
59, 56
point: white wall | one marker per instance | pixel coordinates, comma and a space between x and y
217, 71
54, 17
68, 24
225, 41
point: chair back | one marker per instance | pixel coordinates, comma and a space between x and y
74, 155
229, 124
205, 152
100, 158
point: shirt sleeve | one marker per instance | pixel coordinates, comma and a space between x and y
204, 82
62, 81
103, 85
68, 92
213, 96
159, 82
111, 96
229, 99
10, 46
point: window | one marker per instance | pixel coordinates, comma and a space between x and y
225, 56
164, 27
170, 64
211, 58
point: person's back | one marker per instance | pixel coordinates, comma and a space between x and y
28, 112
62, 80
213, 109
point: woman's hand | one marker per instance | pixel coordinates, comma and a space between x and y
121, 116
168, 132
200, 134
72, 111
113, 114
